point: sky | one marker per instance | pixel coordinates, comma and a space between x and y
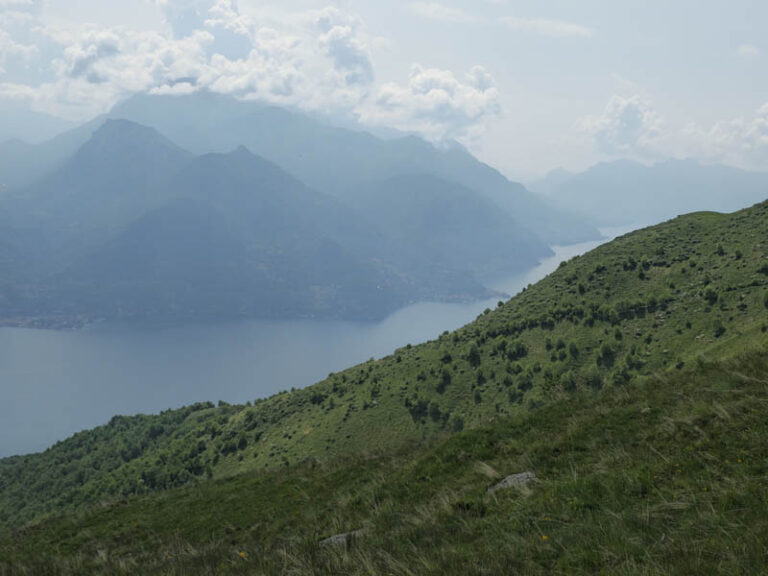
527, 86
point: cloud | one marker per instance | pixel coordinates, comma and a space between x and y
436, 103
738, 141
81, 58
19, 92
437, 11
627, 126
631, 127
9, 47
316, 60
10, 18
342, 44
119, 61
543, 27
225, 14
748, 50
10, 50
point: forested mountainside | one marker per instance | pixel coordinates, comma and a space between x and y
133, 227
649, 305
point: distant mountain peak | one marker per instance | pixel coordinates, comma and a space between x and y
17, 142
559, 172
122, 144
122, 132
242, 151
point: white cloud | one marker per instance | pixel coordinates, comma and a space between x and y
317, 60
437, 11
739, 141
627, 126
340, 39
748, 50
100, 66
11, 91
10, 50
224, 14
544, 27
436, 103
631, 127
9, 47
10, 18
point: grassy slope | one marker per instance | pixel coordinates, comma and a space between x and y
652, 300
667, 475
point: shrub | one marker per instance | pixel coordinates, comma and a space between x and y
517, 350
593, 378
568, 381
418, 409
607, 356
525, 383
456, 423
473, 356
719, 329
434, 412
445, 381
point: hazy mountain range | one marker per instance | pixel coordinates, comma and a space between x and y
212, 216
206, 206
627, 192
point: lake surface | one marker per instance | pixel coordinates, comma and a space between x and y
53, 384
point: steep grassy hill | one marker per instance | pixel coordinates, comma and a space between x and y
629, 321
667, 475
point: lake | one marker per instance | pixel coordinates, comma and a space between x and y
53, 384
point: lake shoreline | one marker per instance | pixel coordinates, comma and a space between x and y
60, 374
58, 323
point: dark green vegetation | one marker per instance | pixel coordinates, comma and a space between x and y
621, 380
667, 475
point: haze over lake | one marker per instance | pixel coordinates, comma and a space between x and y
54, 384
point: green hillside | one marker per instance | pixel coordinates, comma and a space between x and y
668, 475
647, 316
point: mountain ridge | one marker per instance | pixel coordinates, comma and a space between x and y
625, 191
68, 232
